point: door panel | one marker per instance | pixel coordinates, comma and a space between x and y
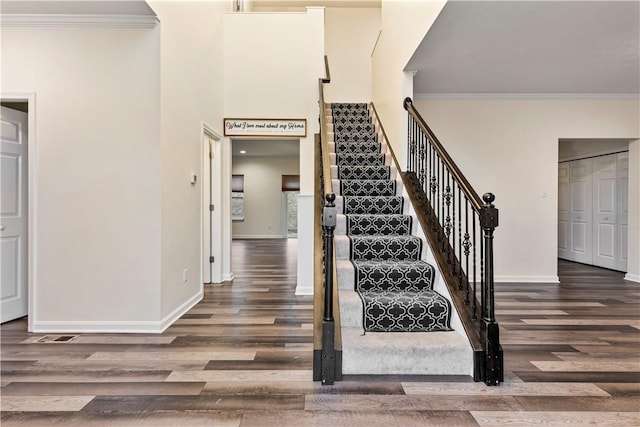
604, 211
564, 203
581, 228
13, 214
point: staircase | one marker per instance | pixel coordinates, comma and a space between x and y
396, 314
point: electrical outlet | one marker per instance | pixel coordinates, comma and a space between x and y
185, 275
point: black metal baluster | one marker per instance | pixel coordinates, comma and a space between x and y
474, 316
482, 301
433, 187
421, 155
415, 145
437, 197
441, 217
447, 220
467, 247
458, 258
427, 181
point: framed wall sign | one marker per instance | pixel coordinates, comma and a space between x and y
294, 128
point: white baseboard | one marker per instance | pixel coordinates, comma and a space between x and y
258, 236
112, 326
527, 279
180, 310
306, 290
228, 277
632, 277
96, 327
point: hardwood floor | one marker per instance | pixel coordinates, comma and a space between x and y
243, 357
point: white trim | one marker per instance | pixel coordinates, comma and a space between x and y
77, 20
108, 326
87, 327
30, 98
304, 290
181, 309
480, 96
632, 277
258, 236
216, 200
527, 279
228, 277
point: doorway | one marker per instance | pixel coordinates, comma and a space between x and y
593, 202
268, 170
16, 231
211, 206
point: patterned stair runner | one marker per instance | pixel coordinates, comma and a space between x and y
394, 284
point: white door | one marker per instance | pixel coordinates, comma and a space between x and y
564, 203
605, 215
623, 210
13, 214
580, 222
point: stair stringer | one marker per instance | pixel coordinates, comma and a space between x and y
400, 353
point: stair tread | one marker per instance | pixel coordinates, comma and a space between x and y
405, 353
397, 224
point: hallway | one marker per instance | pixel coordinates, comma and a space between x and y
243, 357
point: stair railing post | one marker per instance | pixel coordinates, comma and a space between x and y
329, 221
493, 356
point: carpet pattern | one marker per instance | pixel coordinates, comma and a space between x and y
394, 284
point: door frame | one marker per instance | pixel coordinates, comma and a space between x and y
211, 172
604, 152
30, 99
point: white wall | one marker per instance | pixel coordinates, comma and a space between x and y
350, 34
404, 25
274, 73
192, 86
97, 173
263, 197
510, 148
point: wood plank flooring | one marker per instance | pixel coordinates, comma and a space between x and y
243, 357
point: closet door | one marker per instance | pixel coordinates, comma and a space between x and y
564, 205
580, 217
623, 210
605, 211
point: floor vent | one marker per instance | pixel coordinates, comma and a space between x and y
57, 338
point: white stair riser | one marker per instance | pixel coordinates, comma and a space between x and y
350, 310
412, 354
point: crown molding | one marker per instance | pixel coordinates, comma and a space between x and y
76, 20
568, 96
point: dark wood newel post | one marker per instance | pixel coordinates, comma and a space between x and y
328, 225
328, 364
493, 356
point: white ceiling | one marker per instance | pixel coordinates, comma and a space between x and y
77, 7
531, 47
